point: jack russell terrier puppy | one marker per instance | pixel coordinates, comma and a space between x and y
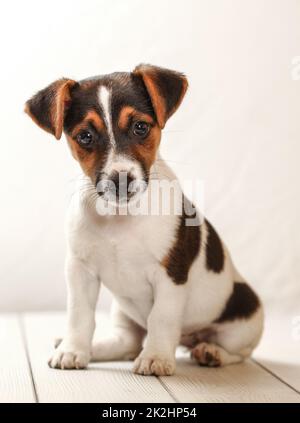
172, 278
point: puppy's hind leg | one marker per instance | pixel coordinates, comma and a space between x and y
125, 343
212, 355
235, 333
231, 343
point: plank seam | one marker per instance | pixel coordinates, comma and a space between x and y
275, 375
169, 391
23, 335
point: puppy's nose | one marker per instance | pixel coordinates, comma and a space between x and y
122, 181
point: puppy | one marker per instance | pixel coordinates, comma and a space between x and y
172, 278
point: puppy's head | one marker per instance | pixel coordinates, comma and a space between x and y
112, 123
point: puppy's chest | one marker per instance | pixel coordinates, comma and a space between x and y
123, 265
122, 256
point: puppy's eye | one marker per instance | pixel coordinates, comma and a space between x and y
85, 138
140, 128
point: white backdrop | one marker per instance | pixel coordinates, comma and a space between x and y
238, 128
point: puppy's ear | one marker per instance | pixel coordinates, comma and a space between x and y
47, 108
166, 89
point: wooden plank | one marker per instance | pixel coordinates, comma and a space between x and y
15, 378
114, 382
279, 350
103, 382
240, 383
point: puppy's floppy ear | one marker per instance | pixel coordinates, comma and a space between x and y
47, 108
166, 89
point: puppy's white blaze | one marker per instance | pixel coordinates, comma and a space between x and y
104, 96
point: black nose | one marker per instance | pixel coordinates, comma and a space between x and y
121, 181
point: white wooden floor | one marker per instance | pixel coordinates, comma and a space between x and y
26, 341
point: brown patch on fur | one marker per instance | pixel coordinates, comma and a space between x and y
166, 89
58, 108
124, 116
242, 303
91, 117
145, 152
47, 107
184, 250
214, 250
156, 98
88, 160
127, 112
95, 119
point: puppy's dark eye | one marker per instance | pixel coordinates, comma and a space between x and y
85, 138
140, 128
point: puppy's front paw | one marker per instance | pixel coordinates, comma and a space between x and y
69, 358
154, 365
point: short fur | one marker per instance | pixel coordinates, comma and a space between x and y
172, 283
184, 250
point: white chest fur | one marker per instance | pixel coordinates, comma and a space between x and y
123, 252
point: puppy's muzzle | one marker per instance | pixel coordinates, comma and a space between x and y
117, 187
